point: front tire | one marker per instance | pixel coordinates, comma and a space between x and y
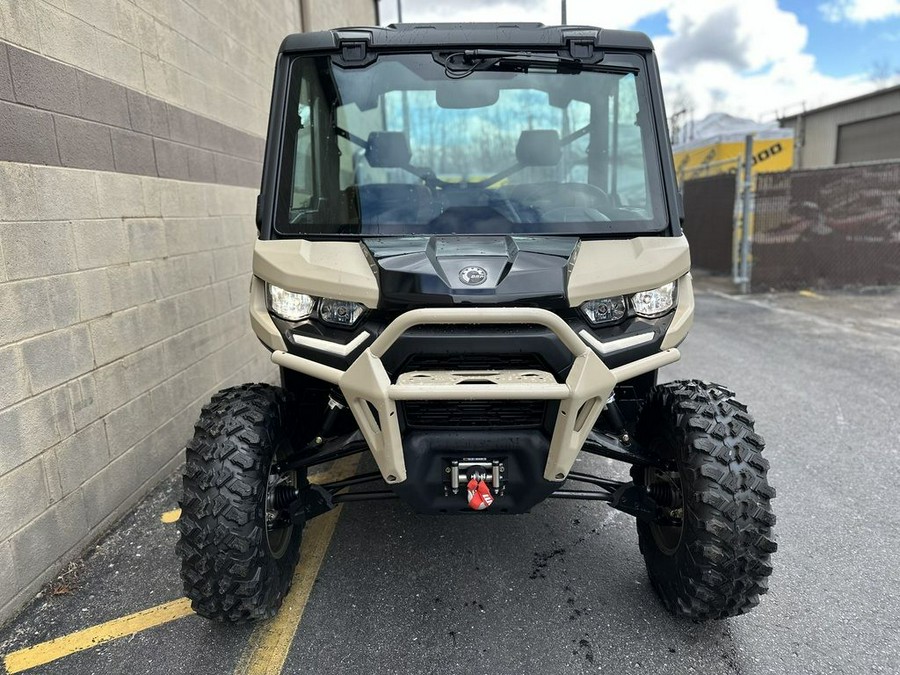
237, 564
714, 564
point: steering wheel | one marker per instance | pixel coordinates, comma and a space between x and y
599, 198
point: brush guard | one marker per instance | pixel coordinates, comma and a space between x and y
372, 396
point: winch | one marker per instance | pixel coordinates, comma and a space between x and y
476, 473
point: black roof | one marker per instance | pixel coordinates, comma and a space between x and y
428, 36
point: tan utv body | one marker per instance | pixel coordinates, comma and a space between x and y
336, 269
471, 268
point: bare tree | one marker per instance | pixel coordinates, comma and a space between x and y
882, 72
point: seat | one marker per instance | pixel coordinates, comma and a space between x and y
539, 147
388, 150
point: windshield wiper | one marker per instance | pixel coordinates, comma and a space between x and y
484, 59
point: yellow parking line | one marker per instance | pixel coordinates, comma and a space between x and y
171, 516
270, 641
51, 650
809, 294
268, 647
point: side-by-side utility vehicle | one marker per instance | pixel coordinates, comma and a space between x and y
471, 266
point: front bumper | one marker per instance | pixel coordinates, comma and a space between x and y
372, 396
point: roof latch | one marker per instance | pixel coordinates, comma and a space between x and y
354, 51
581, 49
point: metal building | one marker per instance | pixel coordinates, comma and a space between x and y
861, 129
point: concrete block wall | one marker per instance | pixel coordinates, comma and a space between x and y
131, 135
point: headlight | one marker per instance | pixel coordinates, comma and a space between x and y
650, 304
288, 305
604, 310
340, 312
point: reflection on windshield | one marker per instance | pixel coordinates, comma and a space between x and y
397, 147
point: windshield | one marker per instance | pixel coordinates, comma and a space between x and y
415, 144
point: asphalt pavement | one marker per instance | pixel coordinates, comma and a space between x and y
563, 589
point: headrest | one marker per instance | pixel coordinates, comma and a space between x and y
388, 149
538, 147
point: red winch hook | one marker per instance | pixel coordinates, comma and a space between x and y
480, 496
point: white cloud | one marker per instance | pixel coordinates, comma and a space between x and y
618, 14
610, 14
743, 58
426, 11
747, 36
859, 11
736, 56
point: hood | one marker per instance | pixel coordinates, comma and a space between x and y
483, 270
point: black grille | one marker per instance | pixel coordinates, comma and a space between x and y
454, 414
474, 362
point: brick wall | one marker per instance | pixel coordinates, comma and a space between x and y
131, 134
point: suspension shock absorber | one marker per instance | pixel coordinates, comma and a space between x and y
614, 418
336, 404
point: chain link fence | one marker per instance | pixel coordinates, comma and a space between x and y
827, 228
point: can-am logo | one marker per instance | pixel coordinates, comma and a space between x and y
472, 276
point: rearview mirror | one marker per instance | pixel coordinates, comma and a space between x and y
462, 94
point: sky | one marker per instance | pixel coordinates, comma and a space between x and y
748, 58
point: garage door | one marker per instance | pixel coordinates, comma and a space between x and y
868, 140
